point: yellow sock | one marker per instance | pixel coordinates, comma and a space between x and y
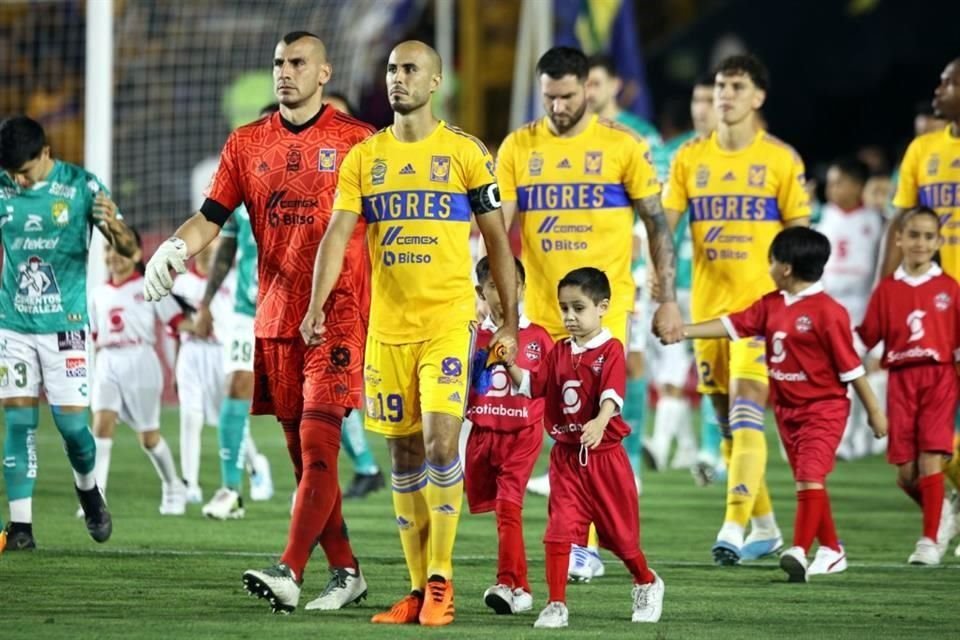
762, 506
748, 460
444, 494
951, 468
726, 450
593, 540
413, 520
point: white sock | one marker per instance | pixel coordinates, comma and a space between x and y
102, 468
686, 453
21, 510
191, 425
162, 460
669, 411
248, 450
731, 532
86, 481
764, 523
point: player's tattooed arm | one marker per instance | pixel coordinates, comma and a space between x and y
662, 251
222, 263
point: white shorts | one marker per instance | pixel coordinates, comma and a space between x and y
200, 378
670, 364
238, 347
57, 361
129, 381
639, 327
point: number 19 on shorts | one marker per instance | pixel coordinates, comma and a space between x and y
387, 408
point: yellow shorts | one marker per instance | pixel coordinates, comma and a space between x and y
617, 322
720, 361
404, 381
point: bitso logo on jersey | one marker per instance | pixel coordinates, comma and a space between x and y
440, 168
328, 161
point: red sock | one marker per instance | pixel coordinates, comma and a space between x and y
637, 566
931, 493
558, 563
912, 492
335, 540
827, 532
511, 560
317, 490
809, 512
291, 431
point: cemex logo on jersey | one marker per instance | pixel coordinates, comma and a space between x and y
282, 210
550, 225
393, 237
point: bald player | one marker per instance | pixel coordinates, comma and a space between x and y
416, 185
284, 169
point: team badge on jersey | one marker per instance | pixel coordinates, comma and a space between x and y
702, 176
61, 213
593, 163
440, 169
942, 301
804, 324
933, 164
378, 172
597, 365
535, 164
328, 161
533, 351
757, 175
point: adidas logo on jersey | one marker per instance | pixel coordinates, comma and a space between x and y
729, 177
455, 397
407, 170
563, 164
955, 164
740, 490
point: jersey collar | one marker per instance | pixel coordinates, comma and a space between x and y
916, 281
812, 290
488, 324
136, 275
545, 125
597, 341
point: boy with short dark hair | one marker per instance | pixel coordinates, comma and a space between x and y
504, 445
915, 312
583, 382
811, 359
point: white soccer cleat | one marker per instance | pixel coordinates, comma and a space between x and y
828, 561
947, 530
194, 495
261, 482
539, 486
925, 553
173, 501
522, 601
346, 586
226, 504
585, 564
553, 616
794, 562
500, 598
79, 514
761, 543
648, 600
277, 584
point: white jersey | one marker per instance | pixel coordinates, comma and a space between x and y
854, 240
120, 317
191, 286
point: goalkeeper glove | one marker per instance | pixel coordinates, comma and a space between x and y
172, 254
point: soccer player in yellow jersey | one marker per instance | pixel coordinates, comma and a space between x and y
577, 182
740, 186
930, 177
415, 184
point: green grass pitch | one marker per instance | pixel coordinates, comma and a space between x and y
163, 577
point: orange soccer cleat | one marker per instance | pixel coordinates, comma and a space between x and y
3, 540
438, 604
406, 611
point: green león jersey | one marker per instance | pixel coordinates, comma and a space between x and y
238, 226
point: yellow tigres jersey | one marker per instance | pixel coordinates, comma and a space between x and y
574, 197
930, 176
414, 198
738, 201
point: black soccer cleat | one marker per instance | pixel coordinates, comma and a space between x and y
363, 485
20, 537
725, 554
95, 514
